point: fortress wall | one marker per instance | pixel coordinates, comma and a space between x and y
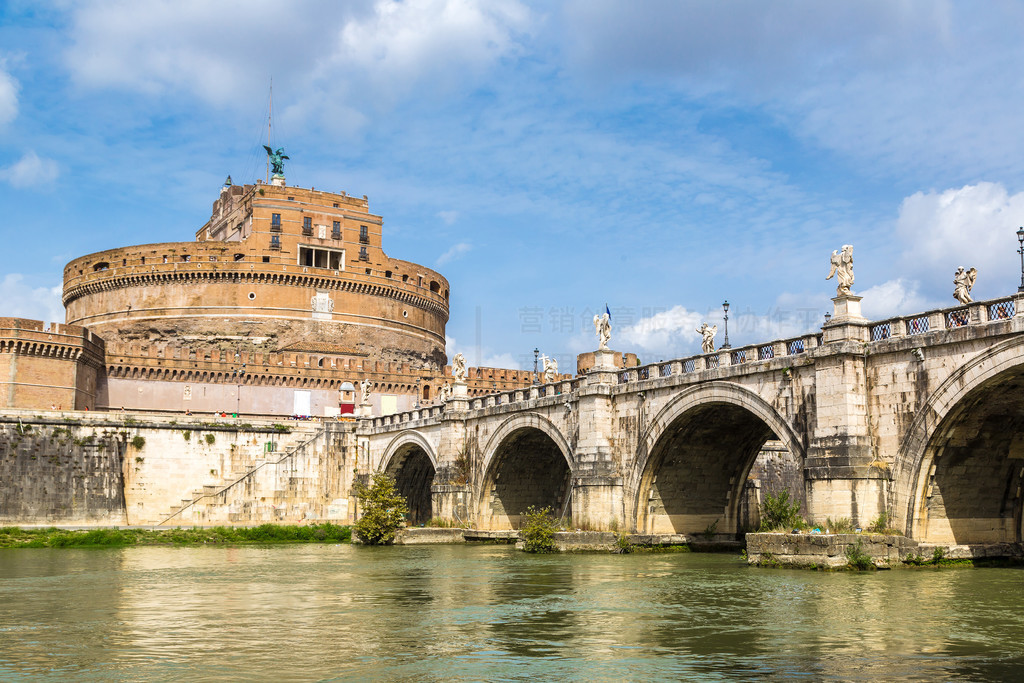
52, 474
89, 469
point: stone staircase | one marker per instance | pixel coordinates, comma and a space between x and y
264, 488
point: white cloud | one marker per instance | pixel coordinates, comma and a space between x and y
449, 217
665, 333
331, 60
454, 252
35, 303
433, 39
8, 95
894, 297
31, 171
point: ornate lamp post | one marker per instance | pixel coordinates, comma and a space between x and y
239, 374
828, 317
416, 404
1020, 238
536, 353
725, 307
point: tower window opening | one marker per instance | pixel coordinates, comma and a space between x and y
307, 225
364, 255
318, 257
364, 234
275, 221
336, 230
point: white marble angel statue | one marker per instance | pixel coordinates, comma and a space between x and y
842, 268
459, 367
963, 280
550, 369
446, 392
603, 327
707, 333
365, 386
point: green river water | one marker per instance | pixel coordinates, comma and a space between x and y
459, 613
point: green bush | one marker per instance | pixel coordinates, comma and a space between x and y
210, 439
778, 513
880, 525
857, 558
383, 510
187, 434
539, 530
138, 442
843, 525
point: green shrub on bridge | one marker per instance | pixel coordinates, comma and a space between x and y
383, 510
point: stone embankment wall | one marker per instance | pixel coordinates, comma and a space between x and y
60, 474
113, 469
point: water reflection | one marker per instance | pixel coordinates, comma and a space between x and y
476, 613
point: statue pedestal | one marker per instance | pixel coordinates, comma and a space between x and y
459, 400
277, 180
459, 389
844, 307
604, 360
847, 323
365, 410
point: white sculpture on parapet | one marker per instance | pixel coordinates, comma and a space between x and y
963, 280
603, 327
459, 367
707, 334
842, 268
365, 387
446, 392
550, 369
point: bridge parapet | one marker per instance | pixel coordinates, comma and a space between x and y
955, 317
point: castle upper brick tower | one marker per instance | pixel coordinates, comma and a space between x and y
276, 268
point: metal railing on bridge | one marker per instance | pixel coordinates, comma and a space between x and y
976, 313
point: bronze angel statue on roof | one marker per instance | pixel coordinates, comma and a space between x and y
276, 160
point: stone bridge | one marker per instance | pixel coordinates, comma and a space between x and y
918, 417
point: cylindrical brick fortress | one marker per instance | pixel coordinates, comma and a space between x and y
276, 268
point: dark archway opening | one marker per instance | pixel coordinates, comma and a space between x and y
696, 479
414, 475
973, 495
528, 470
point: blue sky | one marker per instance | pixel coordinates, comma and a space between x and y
546, 157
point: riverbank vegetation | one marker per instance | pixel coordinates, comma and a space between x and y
383, 510
15, 537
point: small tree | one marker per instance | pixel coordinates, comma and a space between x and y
539, 530
777, 512
384, 510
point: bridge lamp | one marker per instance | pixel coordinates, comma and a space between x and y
536, 353
1020, 238
725, 307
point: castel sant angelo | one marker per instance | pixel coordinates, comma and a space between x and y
284, 304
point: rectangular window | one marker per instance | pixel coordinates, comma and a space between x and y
363, 254
307, 225
336, 230
316, 257
364, 234
275, 221
275, 242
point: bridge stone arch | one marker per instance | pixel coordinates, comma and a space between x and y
527, 461
960, 466
694, 456
411, 460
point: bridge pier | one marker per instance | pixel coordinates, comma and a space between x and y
845, 478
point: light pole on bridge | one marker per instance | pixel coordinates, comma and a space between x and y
725, 307
1020, 238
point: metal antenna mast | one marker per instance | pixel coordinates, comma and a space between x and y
270, 118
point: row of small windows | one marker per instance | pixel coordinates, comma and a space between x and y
307, 228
